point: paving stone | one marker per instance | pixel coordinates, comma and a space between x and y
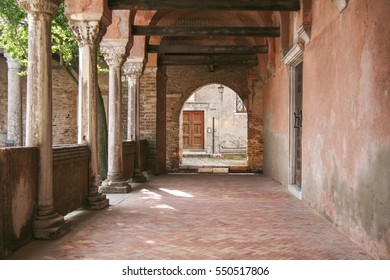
200, 216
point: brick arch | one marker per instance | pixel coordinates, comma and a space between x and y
182, 82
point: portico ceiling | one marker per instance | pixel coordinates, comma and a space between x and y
203, 31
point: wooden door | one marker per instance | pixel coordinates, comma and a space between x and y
193, 130
298, 125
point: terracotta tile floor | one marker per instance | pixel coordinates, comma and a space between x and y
204, 216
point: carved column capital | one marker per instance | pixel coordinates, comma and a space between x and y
133, 68
40, 6
87, 33
13, 63
113, 55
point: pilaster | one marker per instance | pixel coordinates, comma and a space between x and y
88, 33
48, 224
114, 52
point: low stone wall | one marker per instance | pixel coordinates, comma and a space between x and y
146, 157
70, 177
18, 196
128, 151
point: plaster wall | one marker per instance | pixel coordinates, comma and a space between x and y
18, 196
276, 125
346, 132
231, 128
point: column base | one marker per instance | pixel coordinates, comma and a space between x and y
109, 186
97, 201
51, 227
139, 177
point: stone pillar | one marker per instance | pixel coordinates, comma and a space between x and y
114, 53
14, 122
48, 224
133, 83
133, 70
88, 34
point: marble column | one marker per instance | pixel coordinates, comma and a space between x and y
14, 121
114, 54
48, 224
88, 34
133, 70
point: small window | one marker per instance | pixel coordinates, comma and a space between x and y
240, 106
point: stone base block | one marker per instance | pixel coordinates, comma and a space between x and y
205, 170
295, 191
139, 178
97, 202
52, 227
109, 186
221, 170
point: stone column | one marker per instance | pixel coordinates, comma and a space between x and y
88, 34
133, 83
48, 224
133, 70
114, 53
14, 122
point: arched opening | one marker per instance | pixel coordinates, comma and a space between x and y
213, 128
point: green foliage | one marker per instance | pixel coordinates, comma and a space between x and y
14, 35
13, 30
11, 12
63, 43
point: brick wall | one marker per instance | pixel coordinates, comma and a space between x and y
65, 93
64, 108
148, 105
125, 94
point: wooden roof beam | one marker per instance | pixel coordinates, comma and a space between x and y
209, 60
206, 49
219, 5
139, 30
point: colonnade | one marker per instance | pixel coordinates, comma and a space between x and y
89, 23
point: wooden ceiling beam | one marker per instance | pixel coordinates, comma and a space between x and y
209, 60
139, 30
218, 5
206, 49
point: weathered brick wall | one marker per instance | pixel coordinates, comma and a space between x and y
65, 92
181, 84
64, 107
161, 120
148, 105
125, 94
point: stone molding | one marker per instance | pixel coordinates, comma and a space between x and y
40, 6
341, 4
113, 55
294, 56
304, 32
87, 33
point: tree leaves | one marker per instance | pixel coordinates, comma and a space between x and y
14, 35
